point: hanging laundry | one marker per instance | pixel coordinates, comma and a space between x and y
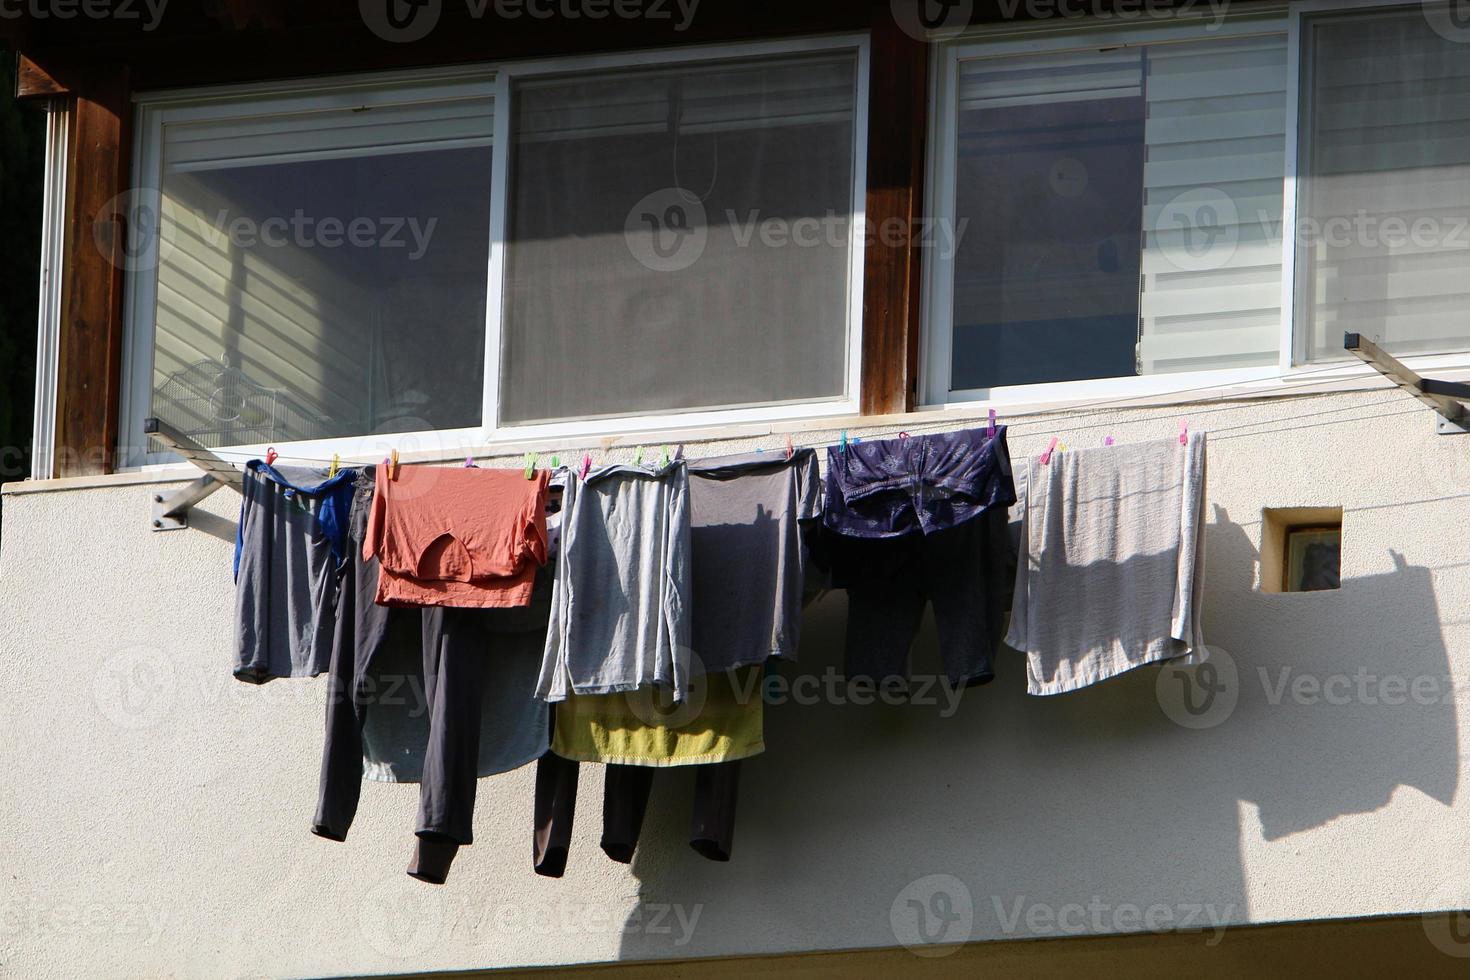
625, 795
380, 724
749, 559
620, 613
721, 719
913, 521
435, 695
1111, 564
290, 538
450, 536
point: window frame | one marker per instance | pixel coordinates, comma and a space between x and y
154, 110
1258, 20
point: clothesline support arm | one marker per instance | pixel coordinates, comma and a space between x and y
171, 510
1447, 398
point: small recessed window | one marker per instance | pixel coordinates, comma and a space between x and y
1301, 549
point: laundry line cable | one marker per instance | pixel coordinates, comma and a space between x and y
1052, 419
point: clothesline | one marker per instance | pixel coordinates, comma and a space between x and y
1051, 418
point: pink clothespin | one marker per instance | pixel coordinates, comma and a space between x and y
1184, 432
990, 426
790, 449
1108, 441
586, 465
1050, 448
271, 456
469, 463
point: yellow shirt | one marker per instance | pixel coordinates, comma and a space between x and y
721, 720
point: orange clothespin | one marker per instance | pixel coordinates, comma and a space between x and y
393, 465
271, 456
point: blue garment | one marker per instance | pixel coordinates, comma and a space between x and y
919, 484
330, 515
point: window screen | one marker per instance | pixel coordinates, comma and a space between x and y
679, 239
1122, 212
1384, 248
321, 271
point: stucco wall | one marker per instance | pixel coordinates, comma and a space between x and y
154, 812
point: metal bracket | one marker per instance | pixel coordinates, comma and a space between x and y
1447, 398
171, 510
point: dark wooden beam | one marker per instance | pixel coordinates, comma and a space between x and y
897, 120
89, 362
34, 82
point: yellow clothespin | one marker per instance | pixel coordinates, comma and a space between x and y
336, 464
530, 466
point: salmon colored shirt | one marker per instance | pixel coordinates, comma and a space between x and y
457, 536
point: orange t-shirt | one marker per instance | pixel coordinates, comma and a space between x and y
457, 536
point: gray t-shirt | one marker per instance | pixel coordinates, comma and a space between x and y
620, 613
749, 563
286, 579
1111, 562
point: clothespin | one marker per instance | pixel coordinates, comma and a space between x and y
556, 462
990, 426
530, 466
1050, 448
1108, 441
586, 465
665, 460
790, 449
638, 457
393, 465
679, 451
469, 463
336, 464
1184, 432
844, 440
271, 456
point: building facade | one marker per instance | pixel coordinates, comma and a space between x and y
602, 229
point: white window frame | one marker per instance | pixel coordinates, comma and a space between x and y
158, 109
1257, 20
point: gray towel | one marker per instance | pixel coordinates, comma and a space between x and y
1111, 562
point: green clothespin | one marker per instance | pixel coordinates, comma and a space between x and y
638, 457
556, 462
666, 456
530, 466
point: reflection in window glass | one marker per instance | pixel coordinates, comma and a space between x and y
679, 239
1384, 233
323, 274
1121, 212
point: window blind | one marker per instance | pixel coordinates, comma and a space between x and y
324, 134
1215, 151
1386, 250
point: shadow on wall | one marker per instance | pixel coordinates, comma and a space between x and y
1006, 816
22, 158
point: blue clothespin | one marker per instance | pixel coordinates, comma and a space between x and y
844, 440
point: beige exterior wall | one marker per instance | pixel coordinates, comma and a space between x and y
155, 811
